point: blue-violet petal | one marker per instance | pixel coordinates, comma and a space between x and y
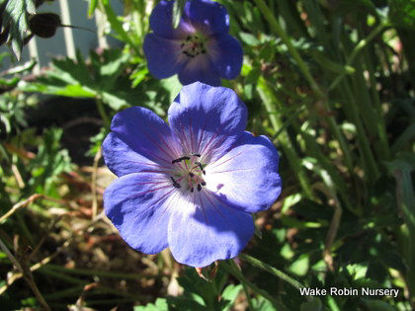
226, 55
139, 206
146, 134
205, 230
208, 16
246, 176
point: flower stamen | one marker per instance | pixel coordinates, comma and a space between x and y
175, 183
180, 159
188, 172
193, 46
199, 165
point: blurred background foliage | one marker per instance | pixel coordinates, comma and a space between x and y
332, 83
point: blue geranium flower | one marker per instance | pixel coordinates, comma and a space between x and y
190, 186
200, 49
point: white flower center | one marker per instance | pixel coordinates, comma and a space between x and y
189, 173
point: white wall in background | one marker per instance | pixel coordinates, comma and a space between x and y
46, 49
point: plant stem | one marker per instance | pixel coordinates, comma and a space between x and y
361, 45
371, 169
27, 275
102, 112
61, 276
19, 205
97, 157
270, 103
248, 299
277, 29
100, 273
231, 267
274, 271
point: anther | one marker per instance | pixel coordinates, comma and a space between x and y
191, 174
192, 46
195, 155
192, 189
199, 187
203, 183
175, 183
200, 166
180, 159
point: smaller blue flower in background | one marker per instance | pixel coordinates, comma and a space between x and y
200, 49
190, 186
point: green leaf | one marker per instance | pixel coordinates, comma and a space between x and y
104, 79
177, 12
301, 265
116, 25
115, 61
113, 101
249, 39
138, 76
192, 283
184, 304
292, 222
92, 6
313, 305
29, 302
262, 304
402, 13
159, 305
27, 66
71, 90
4, 83
173, 86
406, 138
172, 303
378, 305
51, 160
15, 16
230, 294
324, 61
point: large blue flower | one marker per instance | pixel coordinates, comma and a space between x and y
200, 49
190, 186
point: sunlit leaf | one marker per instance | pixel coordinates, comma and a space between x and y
15, 18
